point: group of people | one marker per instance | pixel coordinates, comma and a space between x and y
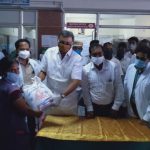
107, 85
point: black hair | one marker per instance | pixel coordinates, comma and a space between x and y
122, 44
106, 44
133, 38
5, 65
17, 43
66, 33
145, 43
95, 46
93, 42
143, 48
121, 49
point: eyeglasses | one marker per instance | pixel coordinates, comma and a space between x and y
65, 43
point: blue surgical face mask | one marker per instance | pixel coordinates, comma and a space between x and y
13, 77
78, 51
140, 63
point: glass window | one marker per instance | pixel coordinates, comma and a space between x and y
29, 17
82, 34
29, 32
116, 35
8, 37
116, 19
75, 17
12, 17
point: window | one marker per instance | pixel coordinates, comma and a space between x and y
130, 20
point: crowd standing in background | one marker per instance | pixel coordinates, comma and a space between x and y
94, 80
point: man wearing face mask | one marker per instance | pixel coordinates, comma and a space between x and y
108, 55
28, 67
121, 49
102, 86
63, 68
77, 47
137, 85
132, 44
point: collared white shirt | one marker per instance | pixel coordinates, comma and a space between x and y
102, 86
60, 73
118, 64
27, 72
125, 62
69, 67
142, 93
85, 60
129, 55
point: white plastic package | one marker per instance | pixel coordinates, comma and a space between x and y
38, 95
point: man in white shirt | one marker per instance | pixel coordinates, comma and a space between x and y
63, 68
121, 49
137, 84
102, 85
28, 67
132, 44
78, 48
108, 55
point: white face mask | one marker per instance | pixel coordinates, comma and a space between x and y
97, 60
24, 54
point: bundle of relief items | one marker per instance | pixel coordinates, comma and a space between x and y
38, 95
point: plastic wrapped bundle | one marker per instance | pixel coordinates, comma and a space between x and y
38, 95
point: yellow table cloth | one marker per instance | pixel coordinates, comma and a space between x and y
97, 129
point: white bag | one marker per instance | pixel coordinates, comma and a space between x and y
38, 95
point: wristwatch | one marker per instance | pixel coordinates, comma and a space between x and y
62, 96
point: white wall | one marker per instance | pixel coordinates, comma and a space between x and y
98, 5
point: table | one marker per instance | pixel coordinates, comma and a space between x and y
70, 132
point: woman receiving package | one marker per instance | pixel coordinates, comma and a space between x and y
14, 133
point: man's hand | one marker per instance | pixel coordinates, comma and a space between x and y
90, 114
56, 100
114, 113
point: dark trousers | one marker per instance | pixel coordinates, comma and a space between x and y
134, 108
102, 110
105, 110
32, 127
14, 141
